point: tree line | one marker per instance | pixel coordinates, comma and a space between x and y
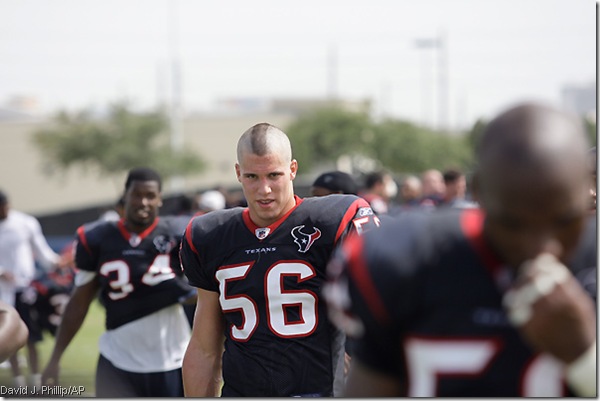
321, 138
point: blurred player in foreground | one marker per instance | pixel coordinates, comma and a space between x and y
134, 264
482, 302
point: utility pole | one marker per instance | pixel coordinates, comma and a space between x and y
443, 124
439, 45
332, 73
177, 182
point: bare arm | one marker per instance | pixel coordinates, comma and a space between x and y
43, 253
202, 361
73, 317
365, 382
13, 331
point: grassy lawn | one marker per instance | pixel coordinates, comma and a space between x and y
78, 364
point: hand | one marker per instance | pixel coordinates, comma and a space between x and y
65, 261
50, 374
7, 276
551, 309
347, 360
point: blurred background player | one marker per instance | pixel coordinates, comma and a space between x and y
455, 194
482, 302
379, 190
411, 191
22, 244
47, 296
133, 263
209, 201
116, 212
433, 188
334, 182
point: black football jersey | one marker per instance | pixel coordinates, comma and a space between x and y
279, 341
422, 300
139, 274
48, 294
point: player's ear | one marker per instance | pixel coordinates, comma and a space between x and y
238, 172
294, 168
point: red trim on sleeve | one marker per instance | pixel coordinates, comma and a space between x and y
83, 239
357, 268
188, 237
471, 222
349, 216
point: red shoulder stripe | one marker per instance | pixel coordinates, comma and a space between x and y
471, 222
83, 239
349, 215
357, 268
188, 237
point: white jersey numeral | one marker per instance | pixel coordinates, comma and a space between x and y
159, 271
278, 301
429, 359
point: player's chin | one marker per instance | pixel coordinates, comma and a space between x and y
267, 214
143, 221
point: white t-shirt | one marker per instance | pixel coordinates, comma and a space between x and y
154, 343
21, 243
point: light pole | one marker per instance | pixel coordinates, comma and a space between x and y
177, 182
439, 45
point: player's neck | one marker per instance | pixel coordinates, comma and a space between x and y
137, 228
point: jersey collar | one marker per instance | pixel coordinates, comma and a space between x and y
471, 221
128, 235
269, 229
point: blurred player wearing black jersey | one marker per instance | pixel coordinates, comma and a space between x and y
497, 301
46, 298
134, 264
259, 272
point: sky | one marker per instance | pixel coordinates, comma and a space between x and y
75, 54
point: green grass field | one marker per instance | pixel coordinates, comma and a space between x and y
78, 364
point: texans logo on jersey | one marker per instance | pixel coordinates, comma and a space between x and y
163, 244
303, 239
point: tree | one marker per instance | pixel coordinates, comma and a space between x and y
402, 146
325, 134
113, 144
399, 146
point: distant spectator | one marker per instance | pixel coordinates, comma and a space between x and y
22, 244
115, 213
209, 201
411, 191
456, 189
433, 188
334, 182
380, 188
